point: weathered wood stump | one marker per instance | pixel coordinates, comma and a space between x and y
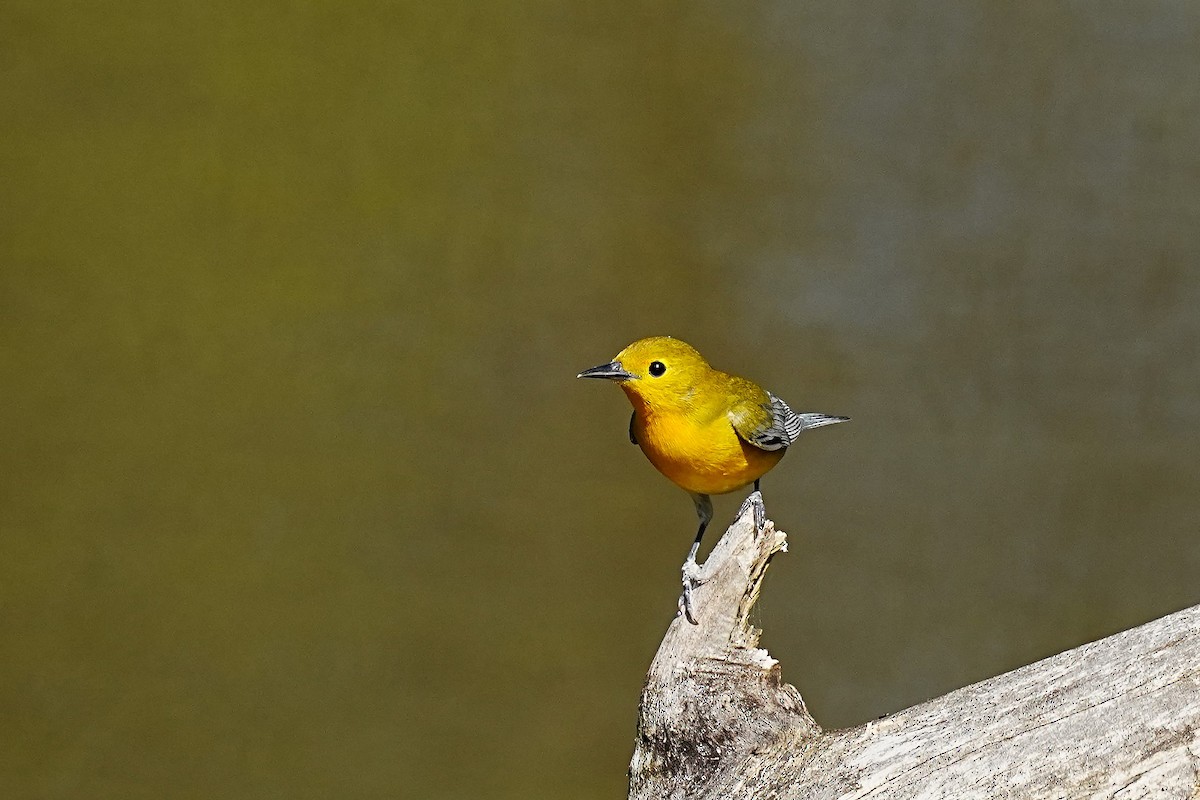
1118, 718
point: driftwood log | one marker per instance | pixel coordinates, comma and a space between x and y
1118, 718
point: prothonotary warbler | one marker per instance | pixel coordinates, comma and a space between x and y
708, 431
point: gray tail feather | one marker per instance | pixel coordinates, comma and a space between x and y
812, 420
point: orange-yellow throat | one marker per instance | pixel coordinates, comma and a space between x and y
698, 448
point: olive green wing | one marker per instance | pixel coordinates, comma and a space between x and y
769, 424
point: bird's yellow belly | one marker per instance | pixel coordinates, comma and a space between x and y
706, 459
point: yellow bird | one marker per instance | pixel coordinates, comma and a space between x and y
708, 431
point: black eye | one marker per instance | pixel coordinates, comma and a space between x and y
657, 368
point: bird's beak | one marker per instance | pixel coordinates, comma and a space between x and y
613, 371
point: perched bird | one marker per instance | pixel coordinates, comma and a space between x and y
707, 431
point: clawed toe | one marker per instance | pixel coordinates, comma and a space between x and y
755, 501
691, 579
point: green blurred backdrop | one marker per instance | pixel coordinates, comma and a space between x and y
299, 497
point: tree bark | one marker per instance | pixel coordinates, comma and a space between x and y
1118, 718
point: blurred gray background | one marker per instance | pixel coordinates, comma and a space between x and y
300, 498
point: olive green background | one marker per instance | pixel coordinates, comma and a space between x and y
299, 497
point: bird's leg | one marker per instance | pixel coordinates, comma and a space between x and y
760, 511
691, 570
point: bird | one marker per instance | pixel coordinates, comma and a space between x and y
709, 432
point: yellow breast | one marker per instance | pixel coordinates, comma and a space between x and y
702, 455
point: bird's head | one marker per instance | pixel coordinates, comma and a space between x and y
659, 371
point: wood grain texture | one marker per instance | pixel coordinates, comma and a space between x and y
1118, 718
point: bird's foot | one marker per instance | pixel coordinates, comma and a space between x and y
755, 501
691, 579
